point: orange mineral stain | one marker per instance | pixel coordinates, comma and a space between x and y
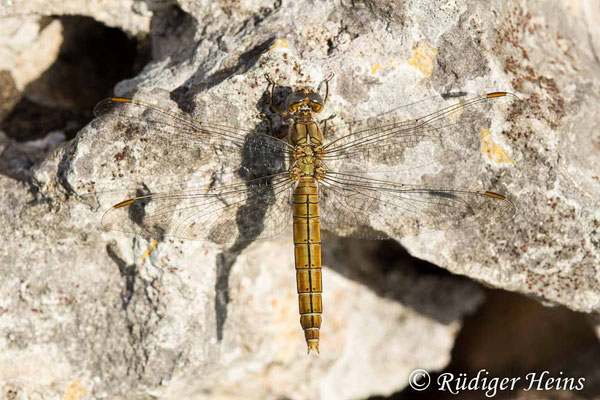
423, 56
74, 391
492, 150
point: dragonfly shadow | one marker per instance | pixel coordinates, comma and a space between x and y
127, 271
134, 298
246, 60
250, 216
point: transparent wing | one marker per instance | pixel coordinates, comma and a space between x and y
449, 133
255, 209
353, 205
174, 139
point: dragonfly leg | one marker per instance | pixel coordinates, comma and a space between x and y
326, 81
269, 119
266, 117
332, 116
271, 89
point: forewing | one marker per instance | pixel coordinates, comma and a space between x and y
442, 135
256, 209
354, 206
177, 141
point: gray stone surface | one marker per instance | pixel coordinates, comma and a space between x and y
106, 315
103, 314
130, 15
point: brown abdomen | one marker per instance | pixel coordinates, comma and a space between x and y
307, 251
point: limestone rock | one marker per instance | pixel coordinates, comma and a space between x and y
132, 16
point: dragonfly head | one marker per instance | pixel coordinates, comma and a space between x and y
303, 102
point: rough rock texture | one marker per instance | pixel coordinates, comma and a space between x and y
130, 15
104, 314
107, 315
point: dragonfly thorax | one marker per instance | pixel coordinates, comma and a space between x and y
308, 161
308, 150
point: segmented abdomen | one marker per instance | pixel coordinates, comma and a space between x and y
307, 252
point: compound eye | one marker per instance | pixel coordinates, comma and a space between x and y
294, 99
315, 97
293, 107
316, 107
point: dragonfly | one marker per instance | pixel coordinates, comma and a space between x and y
343, 178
